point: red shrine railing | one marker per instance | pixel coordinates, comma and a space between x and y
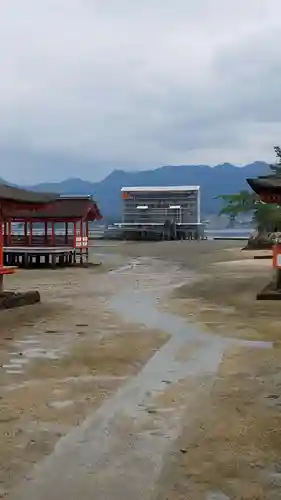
78, 237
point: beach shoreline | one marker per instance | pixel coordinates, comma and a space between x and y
78, 351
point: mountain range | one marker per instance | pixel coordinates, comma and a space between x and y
221, 179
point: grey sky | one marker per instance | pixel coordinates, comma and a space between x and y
139, 83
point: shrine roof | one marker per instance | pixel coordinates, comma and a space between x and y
24, 196
63, 209
266, 183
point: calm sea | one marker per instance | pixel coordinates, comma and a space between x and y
229, 233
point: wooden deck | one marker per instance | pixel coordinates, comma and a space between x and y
27, 256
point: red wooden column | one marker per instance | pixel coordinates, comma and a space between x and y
74, 238
3, 270
53, 233
87, 235
46, 231
9, 233
25, 233
66, 233
81, 236
30, 233
4, 233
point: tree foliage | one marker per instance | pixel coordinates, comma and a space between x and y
267, 217
276, 168
236, 204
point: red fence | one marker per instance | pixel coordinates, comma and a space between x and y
38, 241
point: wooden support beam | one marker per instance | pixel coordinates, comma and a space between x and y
66, 233
46, 231
53, 233
9, 232
81, 235
30, 233
25, 232
87, 234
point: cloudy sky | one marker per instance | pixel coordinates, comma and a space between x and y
139, 83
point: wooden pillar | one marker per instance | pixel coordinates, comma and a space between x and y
30, 232
25, 233
74, 242
46, 231
87, 234
4, 234
53, 233
9, 241
66, 233
82, 248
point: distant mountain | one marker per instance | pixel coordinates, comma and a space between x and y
225, 178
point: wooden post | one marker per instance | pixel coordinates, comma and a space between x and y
46, 231
9, 233
4, 234
30, 233
82, 248
53, 233
87, 234
25, 233
66, 233
74, 243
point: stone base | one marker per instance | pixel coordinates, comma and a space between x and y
270, 292
9, 300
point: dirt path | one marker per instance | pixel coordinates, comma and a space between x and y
121, 448
59, 361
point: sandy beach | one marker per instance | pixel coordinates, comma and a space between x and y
158, 367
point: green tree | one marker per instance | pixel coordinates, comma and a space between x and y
276, 168
267, 217
236, 204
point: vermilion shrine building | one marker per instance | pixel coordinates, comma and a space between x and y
56, 234
14, 200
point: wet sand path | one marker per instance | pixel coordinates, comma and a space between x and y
119, 451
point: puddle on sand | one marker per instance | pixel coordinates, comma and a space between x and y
18, 361
60, 405
139, 306
28, 349
39, 353
217, 496
10, 371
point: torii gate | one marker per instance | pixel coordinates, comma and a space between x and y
268, 188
